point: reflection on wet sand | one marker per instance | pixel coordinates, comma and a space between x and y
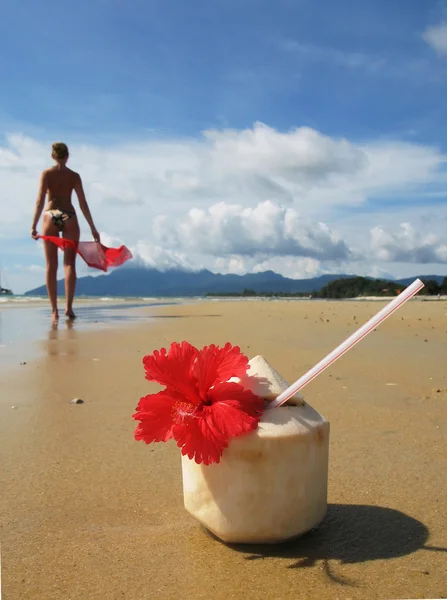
62, 339
22, 326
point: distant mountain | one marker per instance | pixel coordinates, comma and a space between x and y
139, 281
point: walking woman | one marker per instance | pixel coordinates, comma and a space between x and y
57, 184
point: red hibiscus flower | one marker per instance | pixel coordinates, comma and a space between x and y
198, 407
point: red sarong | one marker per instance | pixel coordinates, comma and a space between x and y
94, 253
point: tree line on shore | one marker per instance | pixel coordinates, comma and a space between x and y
352, 287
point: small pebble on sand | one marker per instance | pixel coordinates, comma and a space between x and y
77, 401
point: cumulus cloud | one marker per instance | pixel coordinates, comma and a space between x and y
128, 184
295, 267
149, 254
300, 154
407, 245
248, 197
289, 266
152, 255
265, 230
436, 37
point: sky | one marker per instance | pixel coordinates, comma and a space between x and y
302, 136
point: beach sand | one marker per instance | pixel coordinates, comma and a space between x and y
88, 513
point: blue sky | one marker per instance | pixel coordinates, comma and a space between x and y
115, 67
110, 75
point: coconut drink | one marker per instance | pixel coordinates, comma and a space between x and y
254, 453
235, 450
284, 461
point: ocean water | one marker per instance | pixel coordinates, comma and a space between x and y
25, 320
17, 299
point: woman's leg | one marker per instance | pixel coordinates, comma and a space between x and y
71, 232
49, 228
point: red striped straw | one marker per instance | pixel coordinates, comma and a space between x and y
349, 343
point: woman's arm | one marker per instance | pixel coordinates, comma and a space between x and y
43, 187
84, 207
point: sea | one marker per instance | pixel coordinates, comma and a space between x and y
25, 320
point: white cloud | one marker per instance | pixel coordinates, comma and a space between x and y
268, 229
289, 266
436, 37
33, 268
154, 256
237, 265
407, 245
128, 185
19, 278
298, 154
296, 268
416, 71
242, 197
341, 58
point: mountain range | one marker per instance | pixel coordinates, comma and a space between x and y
141, 282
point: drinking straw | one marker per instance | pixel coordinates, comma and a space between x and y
358, 335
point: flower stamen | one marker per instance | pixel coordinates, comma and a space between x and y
181, 411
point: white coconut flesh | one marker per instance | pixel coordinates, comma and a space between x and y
270, 484
264, 381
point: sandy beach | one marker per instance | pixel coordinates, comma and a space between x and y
88, 513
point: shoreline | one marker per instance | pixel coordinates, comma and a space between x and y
20, 300
24, 326
19, 341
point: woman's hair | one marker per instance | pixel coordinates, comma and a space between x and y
59, 150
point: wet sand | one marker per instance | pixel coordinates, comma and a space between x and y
88, 513
24, 321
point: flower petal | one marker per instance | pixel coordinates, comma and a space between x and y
235, 392
199, 439
234, 410
216, 364
156, 415
205, 433
174, 369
